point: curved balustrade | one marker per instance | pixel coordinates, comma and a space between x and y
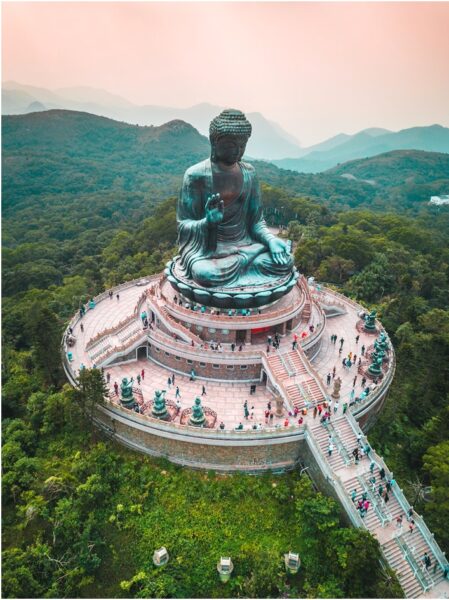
180, 312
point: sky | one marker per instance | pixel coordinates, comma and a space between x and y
315, 68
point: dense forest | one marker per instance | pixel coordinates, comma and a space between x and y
81, 515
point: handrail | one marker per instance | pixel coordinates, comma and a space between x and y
382, 518
200, 354
340, 446
157, 424
351, 511
413, 564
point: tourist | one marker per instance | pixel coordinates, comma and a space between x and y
138, 379
118, 296
340, 351
203, 392
342, 341
300, 421
267, 416
233, 347
269, 340
245, 410
330, 449
328, 379
354, 359
268, 349
169, 382
366, 505
320, 409
315, 412
386, 497
354, 494
222, 425
350, 355
269, 405
178, 406
111, 294
351, 396
357, 337
173, 378
239, 427
116, 388
372, 481
271, 417
344, 362
399, 522
336, 406
410, 514
177, 393
192, 375
360, 362
345, 407
354, 381
143, 373
411, 526
426, 560
359, 439
372, 464
286, 423
380, 489
175, 299
81, 327
382, 473
363, 350
240, 347
392, 482
294, 344
108, 377
363, 381
355, 454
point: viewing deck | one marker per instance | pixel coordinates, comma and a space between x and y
115, 339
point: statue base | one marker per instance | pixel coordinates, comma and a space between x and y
247, 296
128, 402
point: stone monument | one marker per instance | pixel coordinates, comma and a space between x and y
126, 388
227, 256
197, 417
159, 409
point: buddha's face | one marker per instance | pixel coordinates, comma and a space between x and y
229, 149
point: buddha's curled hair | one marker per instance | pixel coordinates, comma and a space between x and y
229, 122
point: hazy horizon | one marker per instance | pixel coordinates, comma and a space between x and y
316, 69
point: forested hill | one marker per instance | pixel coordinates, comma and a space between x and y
76, 157
397, 168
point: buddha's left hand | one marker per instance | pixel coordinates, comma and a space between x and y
279, 251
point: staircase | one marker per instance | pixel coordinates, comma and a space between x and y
295, 395
278, 367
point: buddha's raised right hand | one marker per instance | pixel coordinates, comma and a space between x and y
214, 209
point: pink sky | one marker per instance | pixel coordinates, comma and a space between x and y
316, 68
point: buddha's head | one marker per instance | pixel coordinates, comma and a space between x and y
229, 134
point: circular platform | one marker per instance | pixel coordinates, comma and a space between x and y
229, 361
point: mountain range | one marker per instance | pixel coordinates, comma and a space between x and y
68, 156
268, 142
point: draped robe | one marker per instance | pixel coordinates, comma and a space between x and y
231, 253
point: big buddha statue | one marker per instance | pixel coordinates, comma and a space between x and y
227, 255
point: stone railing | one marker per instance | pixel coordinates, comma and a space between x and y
180, 312
359, 408
347, 504
238, 435
109, 331
201, 354
309, 341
